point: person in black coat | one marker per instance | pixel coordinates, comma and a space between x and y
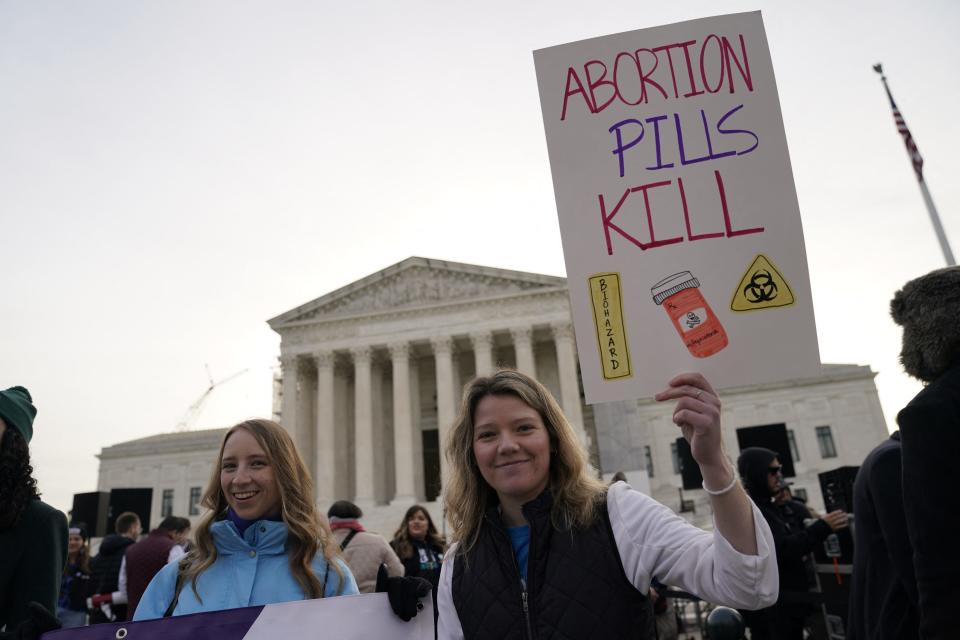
761, 473
928, 309
883, 598
106, 602
33, 535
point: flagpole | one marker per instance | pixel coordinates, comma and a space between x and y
937, 227
917, 162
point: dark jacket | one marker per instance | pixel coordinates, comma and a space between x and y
73, 588
424, 562
32, 557
144, 559
576, 587
930, 432
105, 573
792, 541
794, 512
883, 598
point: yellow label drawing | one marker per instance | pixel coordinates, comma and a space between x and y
762, 287
608, 316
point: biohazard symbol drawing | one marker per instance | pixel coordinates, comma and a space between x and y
761, 287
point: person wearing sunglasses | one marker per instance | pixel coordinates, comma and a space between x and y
762, 476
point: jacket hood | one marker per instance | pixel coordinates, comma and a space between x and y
752, 466
928, 309
114, 543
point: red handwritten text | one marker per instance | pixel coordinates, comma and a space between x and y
609, 227
671, 71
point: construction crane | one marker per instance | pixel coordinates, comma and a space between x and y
194, 410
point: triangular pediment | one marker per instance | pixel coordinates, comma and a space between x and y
417, 282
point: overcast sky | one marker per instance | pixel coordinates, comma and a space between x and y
173, 174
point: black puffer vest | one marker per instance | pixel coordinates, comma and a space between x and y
576, 586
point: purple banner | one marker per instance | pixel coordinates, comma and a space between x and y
231, 624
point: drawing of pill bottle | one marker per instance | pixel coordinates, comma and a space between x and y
695, 321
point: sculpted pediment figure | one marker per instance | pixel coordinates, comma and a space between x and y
418, 282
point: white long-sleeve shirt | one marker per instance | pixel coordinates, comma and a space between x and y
653, 541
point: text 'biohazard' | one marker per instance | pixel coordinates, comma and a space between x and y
608, 315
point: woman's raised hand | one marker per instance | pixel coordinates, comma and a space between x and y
698, 415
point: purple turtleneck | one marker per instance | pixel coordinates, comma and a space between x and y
242, 525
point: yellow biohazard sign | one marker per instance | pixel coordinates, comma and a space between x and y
762, 287
605, 294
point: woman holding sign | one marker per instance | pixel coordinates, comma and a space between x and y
262, 540
542, 549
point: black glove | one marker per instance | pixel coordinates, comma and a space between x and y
404, 593
39, 622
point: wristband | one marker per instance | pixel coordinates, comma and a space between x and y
726, 489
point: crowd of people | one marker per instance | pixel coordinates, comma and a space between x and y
109, 586
539, 548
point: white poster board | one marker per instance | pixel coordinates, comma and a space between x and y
678, 212
356, 617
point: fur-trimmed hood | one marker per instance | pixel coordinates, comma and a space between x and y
928, 309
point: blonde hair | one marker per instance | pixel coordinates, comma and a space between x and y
576, 494
307, 534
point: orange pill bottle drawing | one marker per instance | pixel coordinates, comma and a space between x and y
695, 321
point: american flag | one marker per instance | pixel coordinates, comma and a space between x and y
915, 158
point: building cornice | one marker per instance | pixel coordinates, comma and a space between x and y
308, 332
831, 373
164, 443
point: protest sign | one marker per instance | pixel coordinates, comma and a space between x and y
344, 618
678, 212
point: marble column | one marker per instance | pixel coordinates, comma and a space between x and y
378, 448
446, 410
403, 432
569, 384
306, 399
482, 352
325, 454
363, 426
344, 481
291, 381
523, 346
417, 415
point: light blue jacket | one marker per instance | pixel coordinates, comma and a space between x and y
250, 570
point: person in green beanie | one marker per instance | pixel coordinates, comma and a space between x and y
33, 535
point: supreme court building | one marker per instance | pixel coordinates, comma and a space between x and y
371, 376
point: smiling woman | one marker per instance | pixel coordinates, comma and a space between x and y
536, 537
512, 448
247, 479
261, 541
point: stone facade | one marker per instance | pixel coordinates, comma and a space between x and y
179, 463
371, 376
